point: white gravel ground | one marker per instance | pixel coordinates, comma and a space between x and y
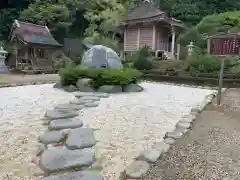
127, 123
124, 123
21, 109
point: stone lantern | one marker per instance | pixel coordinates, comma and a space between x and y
3, 67
190, 48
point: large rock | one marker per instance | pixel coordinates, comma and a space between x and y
63, 159
133, 88
57, 85
70, 88
110, 89
69, 107
84, 85
51, 137
71, 123
80, 138
55, 114
150, 155
80, 175
137, 169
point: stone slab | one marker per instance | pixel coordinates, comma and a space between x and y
63, 159
71, 123
80, 175
110, 89
137, 169
80, 102
169, 141
80, 138
96, 94
92, 104
133, 88
55, 114
161, 146
174, 135
68, 107
51, 137
150, 155
92, 98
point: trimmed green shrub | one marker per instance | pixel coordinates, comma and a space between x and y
62, 61
142, 59
121, 77
202, 64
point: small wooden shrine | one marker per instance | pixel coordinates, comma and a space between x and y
34, 48
147, 25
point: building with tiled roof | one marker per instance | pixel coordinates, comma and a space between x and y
34, 47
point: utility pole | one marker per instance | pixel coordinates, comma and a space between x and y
220, 83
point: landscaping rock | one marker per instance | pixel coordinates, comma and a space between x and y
110, 89
55, 114
184, 125
80, 138
57, 85
196, 110
80, 102
80, 175
70, 88
96, 94
69, 107
40, 149
90, 98
71, 123
84, 85
174, 135
150, 155
63, 159
92, 104
169, 141
133, 88
161, 146
137, 169
51, 137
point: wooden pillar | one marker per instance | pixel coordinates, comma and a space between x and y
138, 37
154, 38
178, 51
125, 38
208, 45
173, 41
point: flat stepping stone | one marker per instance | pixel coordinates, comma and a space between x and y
71, 123
80, 102
62, 159
80, 138
51, 137
55, 114
69, 107
161, 146
92, 104
92, 98
137, 169
169, 141
150, 155
183, 125
80, 175
82, 94
174, 135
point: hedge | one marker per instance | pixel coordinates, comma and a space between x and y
121, 77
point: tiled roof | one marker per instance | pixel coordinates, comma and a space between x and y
145, 10
33, 33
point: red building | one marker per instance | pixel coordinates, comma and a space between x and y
224, 44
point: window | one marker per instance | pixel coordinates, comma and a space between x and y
40, 53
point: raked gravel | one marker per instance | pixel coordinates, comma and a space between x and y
21, 109
126, 124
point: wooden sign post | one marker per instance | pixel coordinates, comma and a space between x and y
220, 82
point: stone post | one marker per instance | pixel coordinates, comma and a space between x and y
173, 41
3, 67
190, 48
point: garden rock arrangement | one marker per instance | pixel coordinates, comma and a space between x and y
142, 163
66, 146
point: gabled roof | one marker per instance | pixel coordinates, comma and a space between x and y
145, 10
32, 33
225, 35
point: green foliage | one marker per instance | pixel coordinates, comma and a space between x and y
99, 77
203, 64
210, 25
62, 61
141, 59
171, 65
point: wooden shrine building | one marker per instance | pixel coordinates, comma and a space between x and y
147, 25
34, 48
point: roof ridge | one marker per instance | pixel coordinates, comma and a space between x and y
43, 26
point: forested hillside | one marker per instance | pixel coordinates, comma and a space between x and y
98, 19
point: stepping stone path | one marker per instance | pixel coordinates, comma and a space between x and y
80, 138
65, 129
